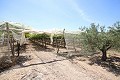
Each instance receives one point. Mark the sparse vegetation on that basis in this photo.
(38, 50)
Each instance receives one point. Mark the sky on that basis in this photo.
(60, 14)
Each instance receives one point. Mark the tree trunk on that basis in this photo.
(104, 55)
(45, 43)
(18, 48)
(12, 46)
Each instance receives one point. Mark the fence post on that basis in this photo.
(60, 41)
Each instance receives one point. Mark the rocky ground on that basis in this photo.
(42, 64)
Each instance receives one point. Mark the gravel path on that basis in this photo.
(46, 65)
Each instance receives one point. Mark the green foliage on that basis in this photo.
(27, 35)
(58, 36)
(33, 36)
(0, 33)
(45, 36)
(39, 36)
(96, 37)
(115, 33)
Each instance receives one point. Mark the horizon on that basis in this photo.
(60, 14)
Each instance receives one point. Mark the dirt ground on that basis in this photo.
(46, 65)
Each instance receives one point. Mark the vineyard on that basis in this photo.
(23, 47)
(45, 39)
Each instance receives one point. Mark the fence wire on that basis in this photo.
(73, 41)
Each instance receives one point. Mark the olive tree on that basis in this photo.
(115, 33)
(97, 38)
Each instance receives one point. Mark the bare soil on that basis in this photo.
(37, 63)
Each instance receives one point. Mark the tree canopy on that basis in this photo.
(97, 38)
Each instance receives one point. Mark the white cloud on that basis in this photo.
(80, 11)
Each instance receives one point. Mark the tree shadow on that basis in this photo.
(23, 48)
(38, 47)
(21, 59)
(52, 61)
(6, 62)
(112, 64)
(70, 54)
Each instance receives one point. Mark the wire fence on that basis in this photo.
(73, 41)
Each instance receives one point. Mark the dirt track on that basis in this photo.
(45, 65)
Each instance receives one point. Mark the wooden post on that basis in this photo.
(45, 43)
(18, 49)
(8, 37)
(56, 42)
(9, 41)
(60, 41)
(12, 46)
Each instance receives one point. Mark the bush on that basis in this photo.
(58, 36)
(39, 36)
(27, 35)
